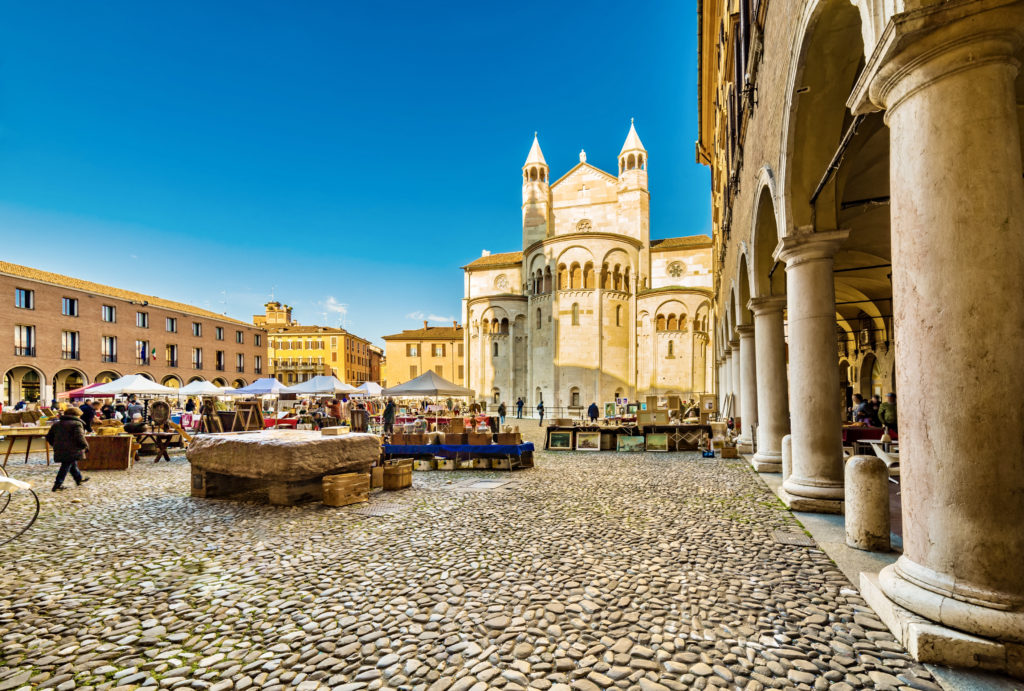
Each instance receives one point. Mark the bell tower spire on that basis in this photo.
(536, 196)
(633, 161)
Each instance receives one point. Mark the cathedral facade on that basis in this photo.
(591, 309)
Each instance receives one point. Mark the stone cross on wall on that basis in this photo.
(583, 190)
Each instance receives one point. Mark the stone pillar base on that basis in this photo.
(767, 462)
(795, 503)
(934, 643)
(745, 445)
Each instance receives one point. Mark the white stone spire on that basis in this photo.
(633, 142)
(535, 155)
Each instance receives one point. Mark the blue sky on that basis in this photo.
(346, 157)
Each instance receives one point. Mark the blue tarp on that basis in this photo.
(450, 450)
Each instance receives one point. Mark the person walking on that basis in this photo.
(519, 408)
(190, 405)
(389, 417)
(501, 413)
(540, 413)
(88, 415)
(67, 438)
(134, 407)
(593, 413)
(887, 413)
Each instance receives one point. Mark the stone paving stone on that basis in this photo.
(594, 571)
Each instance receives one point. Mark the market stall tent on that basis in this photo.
(322, 384)
(268, 386)
(201, 388)
(85, 392)
(369, 388)
(428, 384)
(133, 384)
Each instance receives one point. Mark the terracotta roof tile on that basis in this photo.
(498, 259)
(430, 332)
(26, 272)
(686, 241)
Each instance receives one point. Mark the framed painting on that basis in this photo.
(588, 441)
(657, 441)
(630, 443)
(632, 408)
(560, 440)
(610, 410)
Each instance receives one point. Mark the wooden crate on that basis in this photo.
(464, 464)
(424, 464)
(730, 452)
(500, 463)
(108, 453)
(346, 489)
(398, 438)
(446, 464)
(509, 438)
(457, 425)
(397, 476)
(481, 463)
(455, 438)
(478, 439)
(377, 476)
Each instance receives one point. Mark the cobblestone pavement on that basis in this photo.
(592, 571)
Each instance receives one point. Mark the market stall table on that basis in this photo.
(160, 439)
(28, 434)
(270, 422)
(524, 451)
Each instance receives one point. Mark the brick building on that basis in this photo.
(68, 333)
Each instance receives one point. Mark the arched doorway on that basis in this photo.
(147, 376)
(195, 379)
(106, 376)
(238, 384)
(67, 380)
(870, 376)
(22, 384)
(172, 381)
(221, 382)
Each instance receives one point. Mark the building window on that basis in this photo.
(671, 349)
(172, 355)
(618, 315)
(219, 333)
(412, 371)
(109, 313)
(240, 362)
(257, 364)
(574, 398)
(412, 349)
(539, 317)
(69, 307)
(24, 298)
(439, 370)
(108, 348)
(575, 314)
(439, 350)
(25, 340)
(495, 349)
(69, 345)
(460, 349)
(257, 339)
(462, 372)
(197, 329)
(219, 360)
(172, 324)
(142, 320)
(239, 337)
(197, 358)
(141, 352)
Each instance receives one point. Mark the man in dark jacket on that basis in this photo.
(389, 417)
(593, 412)
(67, 437)
(519, 407)
(88, 413)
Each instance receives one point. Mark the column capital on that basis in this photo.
(734, 344)
(745, 331)
(767, 305)
(920, 47)
(805, 245)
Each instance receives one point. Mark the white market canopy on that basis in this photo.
(201, 388)
(322, 384)
(428, 384)
(133, 384)
(268, 386)
(369, 388)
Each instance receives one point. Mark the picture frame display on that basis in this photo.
(610, 410)
(657, 441)
(560, 440)
(632, 408)
(588, 441)
(630, 444)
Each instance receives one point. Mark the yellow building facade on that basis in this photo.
(414, 351)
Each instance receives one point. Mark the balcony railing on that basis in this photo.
(172, 363)
(142, 361)
(25, 351)
(109, 358)
(257, 370)
(220, 367)
(197, 364)
(240, 368)
(69, 355)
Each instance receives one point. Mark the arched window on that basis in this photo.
(588, 276)
(625, 280)
(533, 173)
(617, 278)
(575, 314)
(671, 349)
(547, 279)
(640, 161)
(504, 325)
(631, 162)
(563, 277)
(574, 397)
(618, 315)
(606, 277)
(661, 322)
(495, 349)
(673, 325)
(538, 317)
(496, 397)
(575, 277)
(542, 175)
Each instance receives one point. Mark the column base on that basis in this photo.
(745, 446)
(767, 462)
(934, 643)
(809, 504)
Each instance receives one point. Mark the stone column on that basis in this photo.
(817, 480)
(734, 375)
(726, 377)
(948, 84)
(748, 388)
(772, 387)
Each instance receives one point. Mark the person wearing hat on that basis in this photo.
(136, 426)
(67, 438)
